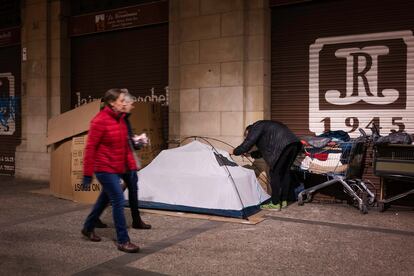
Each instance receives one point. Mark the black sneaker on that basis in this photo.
(90, 235)
(140, 225)
(100, 224)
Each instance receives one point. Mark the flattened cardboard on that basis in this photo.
(84, 196)
(254, 219)
(71, 123)
(60, 174)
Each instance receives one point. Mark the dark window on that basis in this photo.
(9, 13)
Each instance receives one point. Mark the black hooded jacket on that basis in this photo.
(270, 138)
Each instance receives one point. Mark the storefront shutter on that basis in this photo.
(343, 64)
(136, 59)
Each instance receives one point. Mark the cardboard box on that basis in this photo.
(60, 131)
(60, 175)
(79, 194)
(67, 136)
(71, 123)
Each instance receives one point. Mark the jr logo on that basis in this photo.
(358, 80)
(362, 78)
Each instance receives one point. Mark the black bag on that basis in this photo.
(395, 138)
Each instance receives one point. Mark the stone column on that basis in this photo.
(257, 62)
(218, 62)
(59, 58)
(174, 71)
(45, 77)
(32, 158)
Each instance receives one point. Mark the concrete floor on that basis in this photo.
(40, 235)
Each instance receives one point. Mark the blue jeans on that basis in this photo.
(112, 191)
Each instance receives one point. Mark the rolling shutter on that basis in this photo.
(136, 59)
(343, 65)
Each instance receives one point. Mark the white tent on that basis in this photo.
(190, 178)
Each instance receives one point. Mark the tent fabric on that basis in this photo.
(190, 179)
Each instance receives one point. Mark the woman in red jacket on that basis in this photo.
(131, 180)
(109, 156)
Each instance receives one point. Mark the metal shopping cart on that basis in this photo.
(344, 164)
(395, 161)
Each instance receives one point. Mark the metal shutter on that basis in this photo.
(136, 59)
(360, 51)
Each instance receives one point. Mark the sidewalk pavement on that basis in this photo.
(40, 235)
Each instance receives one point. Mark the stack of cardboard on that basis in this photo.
(67, 136)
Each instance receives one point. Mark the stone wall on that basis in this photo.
(219, 67)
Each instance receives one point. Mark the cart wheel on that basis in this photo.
(300, 199)
(363, 209)
(381, 206)
(371, 201)
(309, 197)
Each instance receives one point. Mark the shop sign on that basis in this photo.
(129, 17)
(359, 80)
(152, 97)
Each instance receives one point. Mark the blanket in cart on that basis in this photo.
(332, 158)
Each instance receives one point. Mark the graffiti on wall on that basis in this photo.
(8, 103)
(359, 80)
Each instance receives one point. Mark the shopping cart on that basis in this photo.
(394, 161)
(344, 164)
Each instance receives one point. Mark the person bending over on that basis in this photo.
(278, 146)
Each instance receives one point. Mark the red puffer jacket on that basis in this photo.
(107, 148)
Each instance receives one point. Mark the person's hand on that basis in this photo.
(141, 139)
(86, 183)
